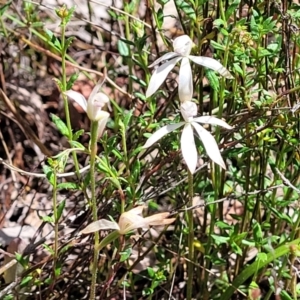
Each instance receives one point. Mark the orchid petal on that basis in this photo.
(183, 45)
(188, 147)
(159, 75)
(130, 221)
(95, 105)
(210, 145)
(211, 63)
(136, 210)
(95, 90)
(102, 120)
(100, 225)
(78, 98)
(159, 219)
(213, 121)
(161, 132)
(166, 56)
(188, 110)
(185, 86)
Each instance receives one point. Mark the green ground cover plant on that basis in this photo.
(150, 161)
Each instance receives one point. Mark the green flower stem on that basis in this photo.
(190, 223)
(221, 10)
(128, 37)
(3, 27)
(55, 219)
(93, 203)
(124, 145)
(64, 89)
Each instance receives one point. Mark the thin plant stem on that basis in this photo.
(94, 135)
(3, 27)
(190, 222)
(55, 219)
(64, 89)
(128, 37)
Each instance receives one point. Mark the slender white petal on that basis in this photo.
(159, 219)
(183, 45)
(166, 56)
(100, 225)
(95, 90)
(102, 122)
(211, 63)
(188, 147)
(136, 210)
(161, 132)
(210, 144)
(213, 121)
(78, 98)
(185, 86)
(188, 110)
(159, 75)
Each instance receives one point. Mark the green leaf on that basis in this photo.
(162, 2)
(53, 39)
(125, 254)
(59, 84)
(257, 232)
(77, 145)
(127, 118)
(217, 45)
(213, 79)
(48, 219)
(285, 296)
(50, 250)
(60, 209)
(64, 249)
(61, 126)
(69, 42)
(257, 265)
(186, 8)
(138, 80)
(220, 239)
(236, 249)
(108, 239)
(140, 96)
(25, 281)
(238, 69)
(72, 79)
(37, 24)
(23, 261)
(78, 134)
(4, 8)
(151, 272)
(123, 48)
(57, 270)
(117, 153)
(136, 170)
(230, 11)
(49, 174)
(68, 186)
(70, 14)
(160, 17)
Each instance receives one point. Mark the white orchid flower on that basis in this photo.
(93, 107)
(182, 46)
(129, 221)
(188, 147)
